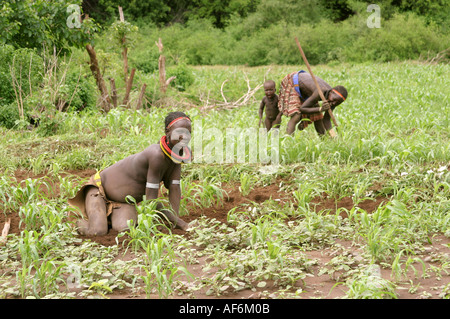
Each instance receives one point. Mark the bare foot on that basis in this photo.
(181, 224)
(83, 229)
(82, 226)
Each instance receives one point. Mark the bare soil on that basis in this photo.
(313, 287)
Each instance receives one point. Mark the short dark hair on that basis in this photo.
(270, 82)
(172, 116)
(341, 90)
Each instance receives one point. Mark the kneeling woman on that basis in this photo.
(103, 199)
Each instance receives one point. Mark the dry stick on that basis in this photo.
(129, 84)
(221, 91)
(125, 49)
(330, 112)
(113, 91)
(29, 75)
(141, 96)
(170, 80)
(5, 232)
(14, 80)
(163, 83)
(239, 102)
(162, 72)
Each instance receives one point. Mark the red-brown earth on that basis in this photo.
(314, 286)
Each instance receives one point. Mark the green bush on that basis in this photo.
(25, 64)
(80, 91)
(201, 44)
(9, 114)
(255, 41)
(25, 67)
(44, 24)
(183, 74)
(145, 60)
(403, 37)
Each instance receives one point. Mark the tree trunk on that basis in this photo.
(125, 61)
(113, 91)
(141, 97)
(128, 89)
(162, 74)
(106, 101)
(163, 83)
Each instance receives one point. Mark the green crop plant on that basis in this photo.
(46, 278)
(31, 247)
(247, 182)
(263, 230)
(101, 287)
(303, 195)
(23, 279)
(142, 231)
(368, 284)
(44, 214)
(160, 267)
(32, 190)
(210, 193)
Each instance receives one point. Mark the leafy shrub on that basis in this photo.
(257, 41)
(145, 60)
(184, 76)
(48, 124)
(201, 44)
(25, 64)
(79, 91)
(9, 114)
(403, 37)
(42, 23)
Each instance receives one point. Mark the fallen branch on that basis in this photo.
(5, 232)
(243, 100)
(439, 57)
(221, 91)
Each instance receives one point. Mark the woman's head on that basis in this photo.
(178, 128)
(337, 95)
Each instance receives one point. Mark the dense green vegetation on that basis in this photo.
(46, 48)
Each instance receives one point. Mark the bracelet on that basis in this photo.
(152, 185)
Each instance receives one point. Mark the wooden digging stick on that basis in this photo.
(315, 81)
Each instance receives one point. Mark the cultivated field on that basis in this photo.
(363, 216)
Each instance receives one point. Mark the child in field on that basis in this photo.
(270, 102)
(103, 199)
(299, 100)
